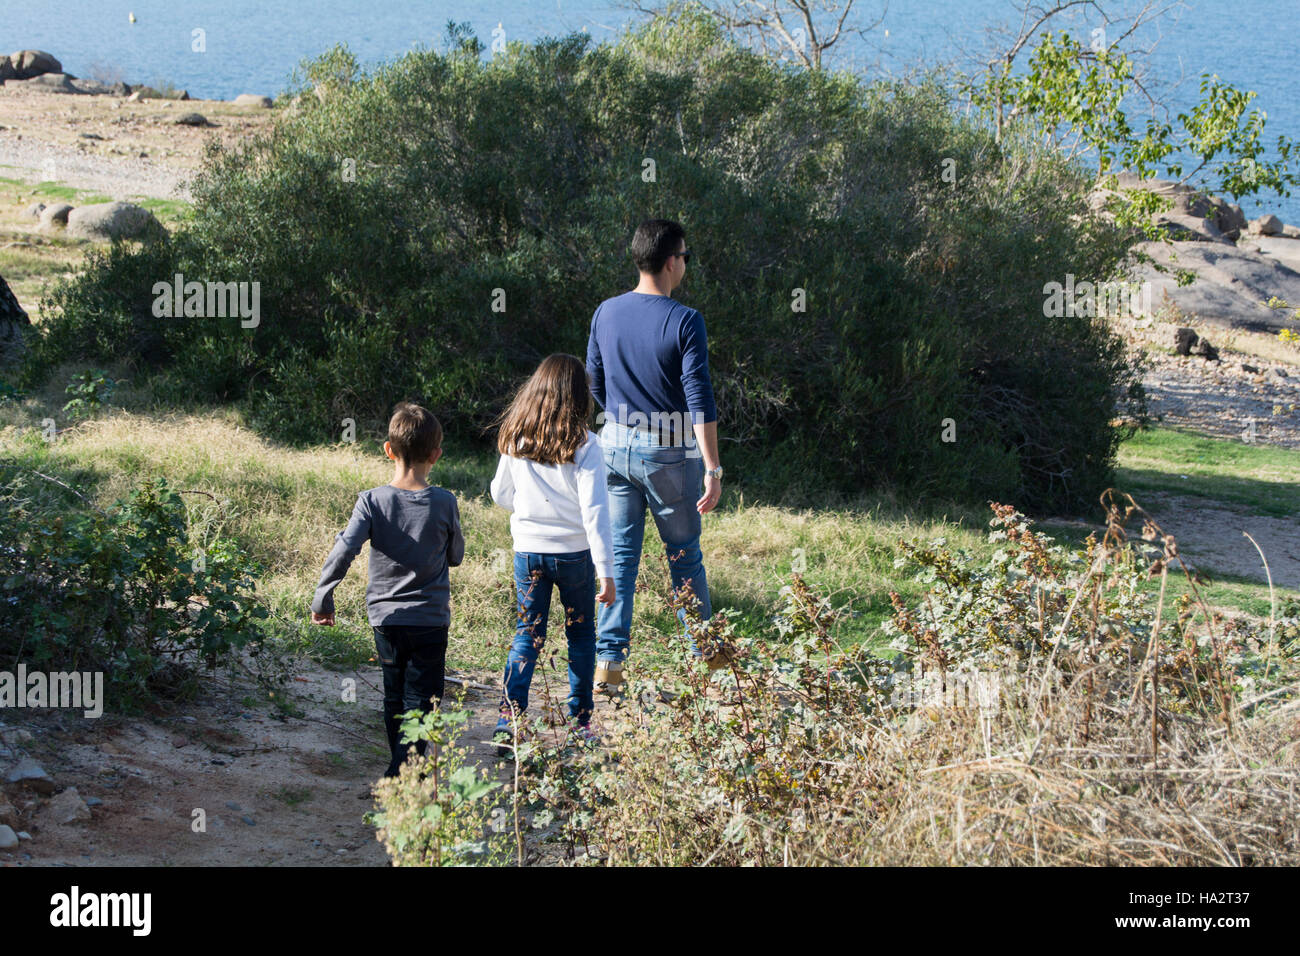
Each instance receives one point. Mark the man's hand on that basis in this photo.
(606, 595)
(712, 492)
(324, 620)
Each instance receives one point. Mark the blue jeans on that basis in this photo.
(640, 473)
(575, 575)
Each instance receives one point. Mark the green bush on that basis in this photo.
(123, 591)
(382, 213)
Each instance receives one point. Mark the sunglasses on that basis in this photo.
(686, 256)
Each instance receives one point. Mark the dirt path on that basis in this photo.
(276, 790)
(1212, 538)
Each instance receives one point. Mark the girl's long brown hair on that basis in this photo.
(547, 418)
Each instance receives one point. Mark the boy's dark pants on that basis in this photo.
(412, 658)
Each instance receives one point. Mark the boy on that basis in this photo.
(414, 533)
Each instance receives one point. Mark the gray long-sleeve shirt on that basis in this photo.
(414, 538)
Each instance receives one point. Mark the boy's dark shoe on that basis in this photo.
(504, 738)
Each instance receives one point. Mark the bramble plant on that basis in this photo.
(437, 811)
(1060, 678)
(119, 590)
(89, 391)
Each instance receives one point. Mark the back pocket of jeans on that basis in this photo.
(668, 482)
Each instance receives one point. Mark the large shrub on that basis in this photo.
(389, 210)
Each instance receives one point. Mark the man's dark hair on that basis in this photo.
(414, 432)
(654, 242)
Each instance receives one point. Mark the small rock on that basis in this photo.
(1249, 369)
(30, 773)
(24, 835)
(1184, 339)
(252, 99)
(1280, 372)
(90, 136)
(7, 838)
(68, 807)
(234, 806)
(109, 747)
(179, 742)
(136, 97)
(1266, 225)
(193, 119)
(55, 214)
(1204, 349)
(249, 821)
(94, 802)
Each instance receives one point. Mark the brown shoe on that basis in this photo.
(610, 677)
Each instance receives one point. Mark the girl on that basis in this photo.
(552, 479)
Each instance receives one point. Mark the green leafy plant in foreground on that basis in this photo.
(436, 812)
(123, 591)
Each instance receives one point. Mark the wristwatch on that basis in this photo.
(714, 473)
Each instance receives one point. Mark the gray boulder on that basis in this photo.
(1232, 283)
(1278, 248)
(29, 63)
(8, 839)
(1228, 217)
(32, 775)
(111, 220)
(1266, 225)
(1191, 228)
(1184, 339)
(1186, 200)
(55, 214)
(50, 83)
(252, 99)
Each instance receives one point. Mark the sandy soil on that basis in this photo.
(276, 790)
(110, 145)
(1213, 538)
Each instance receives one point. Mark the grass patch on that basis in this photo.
(1262, 478)
(286, 504)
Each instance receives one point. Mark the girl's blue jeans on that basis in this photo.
(536, 576)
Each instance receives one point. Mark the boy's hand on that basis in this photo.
(606, 595)
(324, 620)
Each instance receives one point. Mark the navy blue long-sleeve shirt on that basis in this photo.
(649, 354)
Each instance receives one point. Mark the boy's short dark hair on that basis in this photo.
(655, 240)
(414, 433)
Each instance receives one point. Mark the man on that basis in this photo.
(648, 360)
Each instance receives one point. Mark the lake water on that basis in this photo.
(252, 46)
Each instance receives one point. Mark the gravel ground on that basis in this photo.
(109, 145)
(119, 177)
(1222, 398)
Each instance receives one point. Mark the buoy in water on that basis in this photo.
(131, 17)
